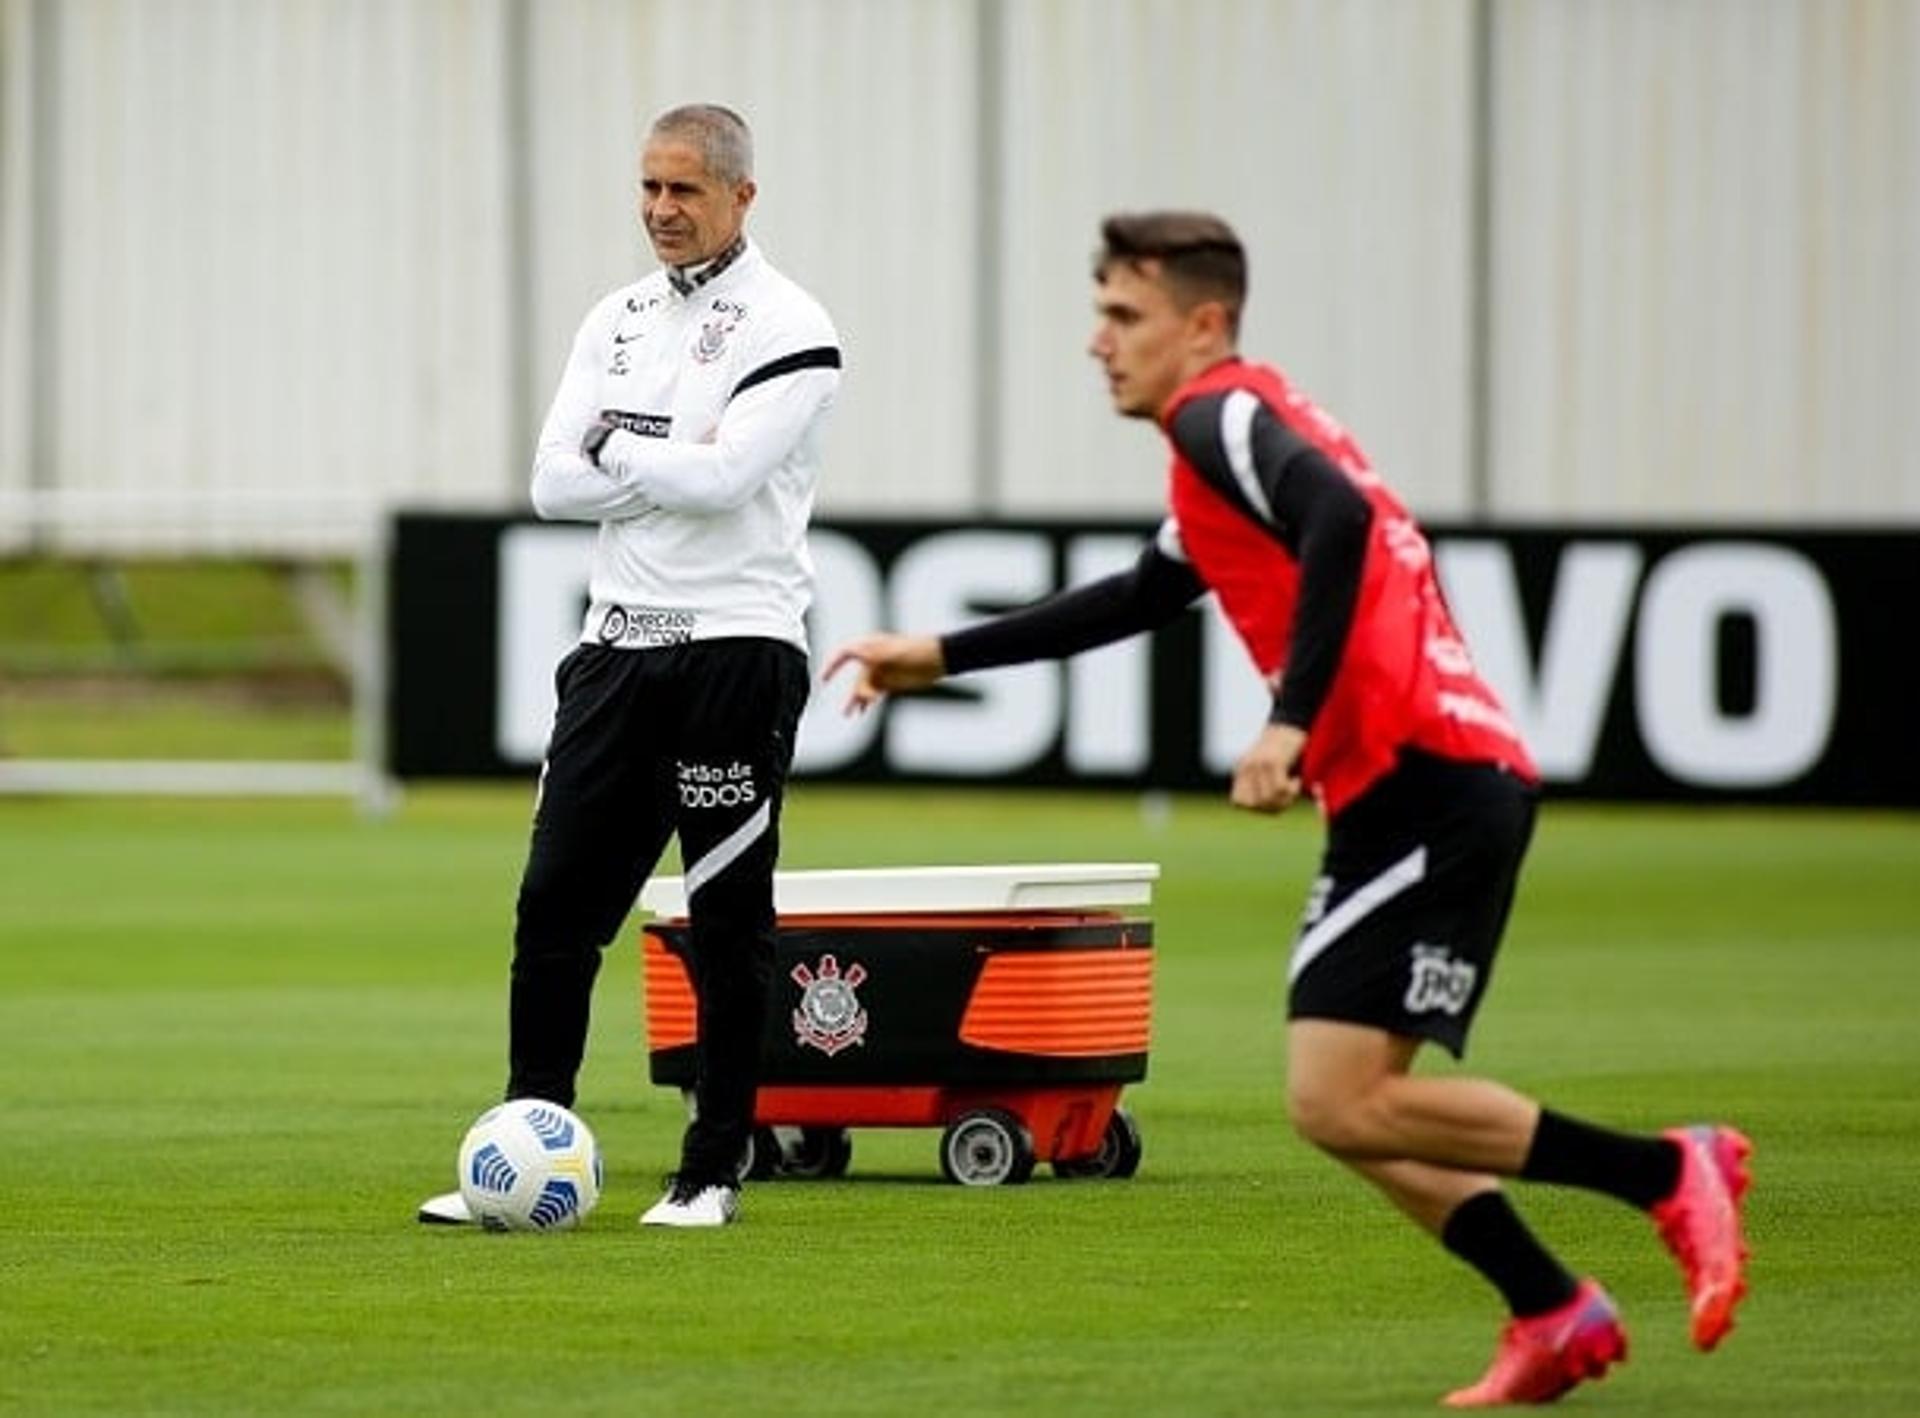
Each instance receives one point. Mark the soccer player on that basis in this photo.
(686, 425)
(1427, 790)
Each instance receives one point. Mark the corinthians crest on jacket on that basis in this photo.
(713, 333)
(830, 1017)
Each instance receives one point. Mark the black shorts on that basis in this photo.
(1402, 927)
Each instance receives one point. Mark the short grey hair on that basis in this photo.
(722, 136)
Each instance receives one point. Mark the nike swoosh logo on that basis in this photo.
(620, 339)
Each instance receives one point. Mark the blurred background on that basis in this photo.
(272, 269)
(1622, 295)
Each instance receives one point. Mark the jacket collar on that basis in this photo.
(685, 280)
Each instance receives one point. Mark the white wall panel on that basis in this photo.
(1707, 263)
(863, 116)
(16, 268)
(1334, 137)
(306, 261)
(280, 275)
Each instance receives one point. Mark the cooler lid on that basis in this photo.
(1033, 886)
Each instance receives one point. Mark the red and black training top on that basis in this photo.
(1318, 567)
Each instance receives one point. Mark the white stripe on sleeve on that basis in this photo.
(1236, 436)
(1169, 542)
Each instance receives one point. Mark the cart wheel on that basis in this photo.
(762, 1159)
(988, 1148)
(821, 1152)
(1119, 1154)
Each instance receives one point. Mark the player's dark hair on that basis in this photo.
(1196, 254)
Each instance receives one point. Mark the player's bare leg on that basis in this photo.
(1426, 1195)
(1435, 1146)
(1349, 1093)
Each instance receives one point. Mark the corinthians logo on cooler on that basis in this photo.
(830, 1017)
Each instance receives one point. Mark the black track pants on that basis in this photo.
(690, 739)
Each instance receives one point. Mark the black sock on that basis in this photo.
(1488, 1234)
(1639, 1170)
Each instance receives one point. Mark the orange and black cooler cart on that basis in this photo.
(1006, 1005)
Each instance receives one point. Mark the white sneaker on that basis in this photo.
(691, 1204)
(447, 1209)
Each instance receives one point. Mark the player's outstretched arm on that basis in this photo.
(889, 664)
(1148, 595)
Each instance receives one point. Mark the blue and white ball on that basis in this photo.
(529, 1165)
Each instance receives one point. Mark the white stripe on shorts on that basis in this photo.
(727, 851)
(1406, 872)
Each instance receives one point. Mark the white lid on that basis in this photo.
(1034, 886)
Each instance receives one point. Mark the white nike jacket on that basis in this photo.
(718, 386)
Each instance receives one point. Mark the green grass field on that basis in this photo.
(242, 1040)
(174, 658)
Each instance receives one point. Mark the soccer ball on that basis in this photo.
(529, 1165)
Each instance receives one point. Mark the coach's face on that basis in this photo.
(690, 215)
(1144, 341)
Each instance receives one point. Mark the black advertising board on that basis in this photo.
(1706, 665)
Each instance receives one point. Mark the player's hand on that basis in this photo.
(888, 664)
(1267, 777)
(595, 438)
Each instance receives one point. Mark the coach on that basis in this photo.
(687, 425)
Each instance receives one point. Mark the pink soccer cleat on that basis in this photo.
(1700, 1223)
(1542, 1356)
